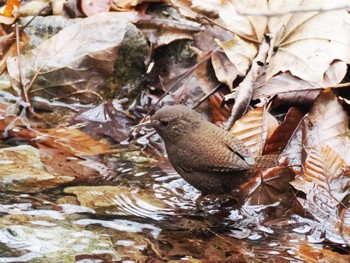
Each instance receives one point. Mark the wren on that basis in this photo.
(206, 156)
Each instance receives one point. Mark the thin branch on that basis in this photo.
(287, 11)
(207, 96)
(23, 87)
(212, 22)
(200, 17)
(341, 85)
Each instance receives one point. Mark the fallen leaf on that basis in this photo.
(162, 31)
(243, 96)
(225, 71)
(91, 8)
(220, 111)
(71, 140)
(76, 60)
(282, 84)
(325, 178)
(254, 128)
(127, 5)
(205, 74)
(242, 48)
(306, 46)
(269, 186)
(119, 200)
(282, 134)
(83, 170)
(8, 46)
(292, 153)
(209, 7)
(104, 120)
(327, 123)
(314, 254)
(303, 54)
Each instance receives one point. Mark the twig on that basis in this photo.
(207, 96)
(232, 31)
(186, 87)
(23, 87)
(287, 11)
(341, 85)
(212, 22)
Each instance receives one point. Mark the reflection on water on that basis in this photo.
(144, 214)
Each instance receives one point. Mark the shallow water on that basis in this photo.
(146, 214)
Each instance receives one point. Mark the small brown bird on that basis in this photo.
(206, 156)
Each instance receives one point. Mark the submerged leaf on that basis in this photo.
(119, 200)
(71, 140)
(269, 186)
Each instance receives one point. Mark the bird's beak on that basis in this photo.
(147, 123)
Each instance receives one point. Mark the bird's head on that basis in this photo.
(174, 121)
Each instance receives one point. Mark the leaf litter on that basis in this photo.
(113, 197)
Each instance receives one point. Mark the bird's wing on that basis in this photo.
(216, 154)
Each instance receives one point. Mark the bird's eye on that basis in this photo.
(164, 123)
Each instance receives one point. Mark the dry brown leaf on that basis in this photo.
(249, 30)
(328, 123)
(91, 8)
(252, 129)
(324, 171)
(302, 47)
(162, 31)
(325, 179)
(77, 59)
(205, 74)
(306, 45)
(293, 90)
(219, 110)
(68, 140)
(313, 254)
(335, 73)
(224, 70)
(292, 154)
(8, 46)
(207, 7)
(281, 84)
